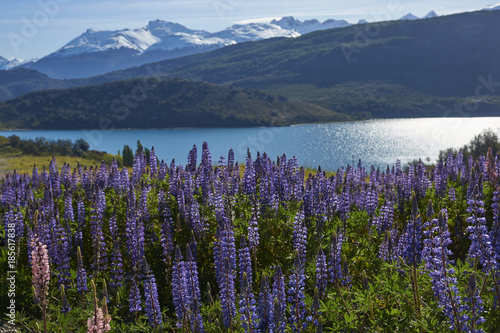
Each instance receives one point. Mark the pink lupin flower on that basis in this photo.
(100, 321)
(41, 275)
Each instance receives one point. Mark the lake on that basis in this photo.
(375, 142)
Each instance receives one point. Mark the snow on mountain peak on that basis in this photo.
(409, 16)
(492, 7)
(290, 23)
(431, 14)
(10, 63)
(96, 41)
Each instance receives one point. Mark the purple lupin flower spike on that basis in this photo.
(151, 303)
(410, 243)
(244, 262)
(249, 319)
(300, 235)
(475, 304)
(480, 247)
(180, 289)
(265, 306)
(279, 299)
(227, 294)
(153, 163)
(296, 296)
(192, 160)
(249, 176)
(321, 273)
(193, 290)
(81, 274)
(116, 266)
(134, 297)
(444, 284)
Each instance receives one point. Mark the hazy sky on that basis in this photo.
(34, 28)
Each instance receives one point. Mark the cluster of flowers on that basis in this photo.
(106, 217)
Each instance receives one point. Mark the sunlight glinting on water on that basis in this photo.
(333, 145)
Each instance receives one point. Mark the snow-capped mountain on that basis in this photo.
(430, 14)
(290, 23)
(97, 52)
(10, 63)
(409, 16)
(492, 7)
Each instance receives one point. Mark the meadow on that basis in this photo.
(214, 246)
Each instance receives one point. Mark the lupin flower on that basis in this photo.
(249, 319)
(244, 261)
(249, 176)
(480, 248)
(296, 296)
(41, 271)
(41, 276)
(321, 272)
(410, 243)
(265, 306)
(153, 163)
(116, 270)
(151, 303)
(300, 235)
(81, 274)
(193, 290)
(475, 304)
(253, 233)
(65, 306)
(180, 289)
(444, 284)
(337, 269)
(100, 321)
(279, 299)
(134, 296)
(227, 294)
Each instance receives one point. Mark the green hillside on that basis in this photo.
(157, 104)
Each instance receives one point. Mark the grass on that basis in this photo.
(24, 163)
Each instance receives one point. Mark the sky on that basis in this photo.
(35, 28)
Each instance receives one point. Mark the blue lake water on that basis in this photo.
(375, 142)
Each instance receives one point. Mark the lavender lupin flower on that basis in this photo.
(153, 163)
(116, 270)
(296, 296)
(244, 262)
(279, 297)
(265, 306)
(300, 235)
(134, 297)
(249, 319)
(444, 284)
(81, 274)
(180, 289)
(480, 247)
(151, 303)
(321, 273)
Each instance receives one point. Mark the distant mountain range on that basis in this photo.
(492, 7)
(10, 63)
(98, 52)
(408, 68)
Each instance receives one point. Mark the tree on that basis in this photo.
(128, 156)
(139, 147)
(14, 141)
(79, 147)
